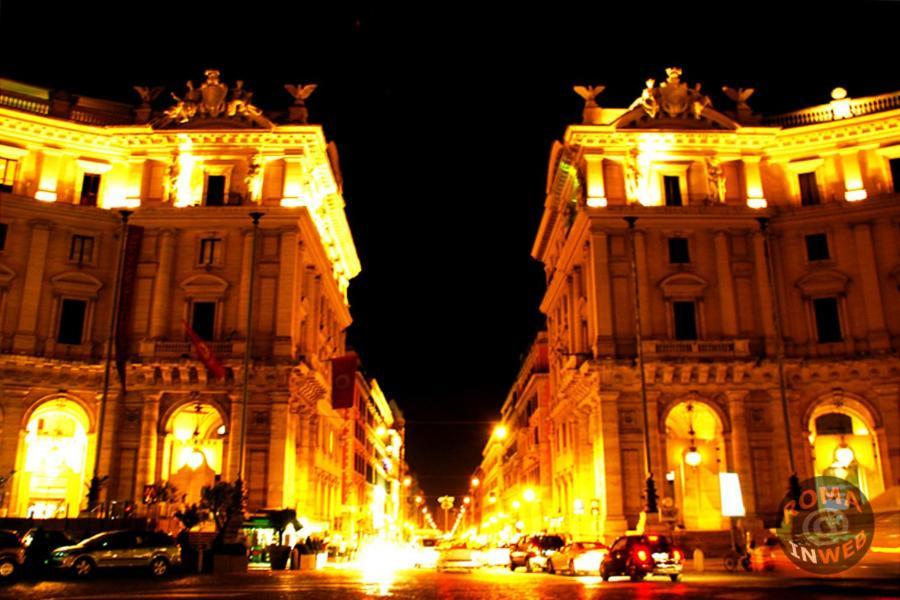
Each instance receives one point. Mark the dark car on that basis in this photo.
(12, 555)
(529, 547)
(154, 550)
(40, 543)
(640, 555)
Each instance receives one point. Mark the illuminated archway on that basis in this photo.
(844, 444)
(695, 452)
(55, 466)
(194, 448)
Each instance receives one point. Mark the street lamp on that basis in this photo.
(500, 432)
(650, 489)
(475, 482)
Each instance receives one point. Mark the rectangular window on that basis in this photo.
(81, 250)
(210, 250)
(809, 190)
(203, 320)
(685, 320)
(817, 247)
(3, 228)
(895, 173)
(7, 174)
(90, 187)
(672, 186)
(71, 321)
(215, 190)
(828, 324)
(678, 251)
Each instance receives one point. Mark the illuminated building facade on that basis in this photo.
(514, 492)
(710, 304)
(373, 487)
(191, 175)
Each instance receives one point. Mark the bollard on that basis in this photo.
(698, 560)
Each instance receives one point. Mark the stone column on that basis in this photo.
(889, 433)
(868, 269)
(764, 292)
(25, 338)
(726, 285)
(286, 300)
(612, 509)
(162, 286)
(753, 190)
(304, 458)
(599, 297)
(11, 432)
(147, 458)
(278, 450)
(230, 469)
(313, 287)
(577, 294)
(740, 446)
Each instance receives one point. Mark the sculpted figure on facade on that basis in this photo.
(672, 98)
(213, 93)
(632, 176)
(213, 100)
(715, 180)
(592, 113)
(298, 112)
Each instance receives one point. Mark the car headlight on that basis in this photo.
(60, 554)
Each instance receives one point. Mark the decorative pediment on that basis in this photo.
(204, 285)
(823, 283)
(683, 285)
(6, 276)
(673, 105)
(76, 283)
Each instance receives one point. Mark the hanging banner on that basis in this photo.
(205, 353)
(133, 238)
(343, 380)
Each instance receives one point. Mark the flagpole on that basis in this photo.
(256, 216)
(94, 490)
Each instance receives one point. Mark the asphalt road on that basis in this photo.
(490, 584)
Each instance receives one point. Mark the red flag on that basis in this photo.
(205, 353)
(343, 380)
(133, 236)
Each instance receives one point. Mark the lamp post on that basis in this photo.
(793, 480)
(245, 393)
(446, 503)
(96, 481)
(650, 488)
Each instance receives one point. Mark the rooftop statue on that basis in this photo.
(592, 112)
(299, 93)
(212, 101)
(147, 94)
(673, 98)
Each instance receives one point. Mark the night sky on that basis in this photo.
(444, 121)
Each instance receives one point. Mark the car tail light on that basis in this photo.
(653, 538)
(677, 555)
(642, 554)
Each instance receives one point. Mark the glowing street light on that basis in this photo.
(407, 481)
(475, 482)
(466, 500)
(500, 432)
(692, 457)
(529, 495)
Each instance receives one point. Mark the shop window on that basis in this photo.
(685, 314)
(215, 190)
(7, 173)
(809, 189)
(90, 188)
(203, 319)
(834, 424)
(828, 323)
(672, 189)
(81, 249)
(678, 251)
(71, 321)
(817, 247)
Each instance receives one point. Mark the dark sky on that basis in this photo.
(444, 120)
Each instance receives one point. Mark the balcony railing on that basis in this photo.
(165, 348)
(696, 348)
(836, 110)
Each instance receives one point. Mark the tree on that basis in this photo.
(280, 519)
(225, 502)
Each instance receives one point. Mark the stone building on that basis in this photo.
(191, 175)
(712, 307)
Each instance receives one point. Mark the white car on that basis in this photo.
(577, 557)
(425, 553)
(458, 558)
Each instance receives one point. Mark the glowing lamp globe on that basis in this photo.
(195, 459)
(844, 456)
(692, 457)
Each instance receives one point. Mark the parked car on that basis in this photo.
(458, 557)
(115, 549)
(12, 555)
(494, 556)
(640, 555)
(532, 552)
(577, 557)
(39, 545)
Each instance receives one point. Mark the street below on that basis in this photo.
(495, 584)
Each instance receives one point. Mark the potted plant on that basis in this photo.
(279, 553)
(312, 554)
(225, 502)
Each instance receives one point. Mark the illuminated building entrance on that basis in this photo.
(194, 447)
(844, 444)
(695, 450)
(55, 468)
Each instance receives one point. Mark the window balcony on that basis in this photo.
(168, 349)
(697, 348)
